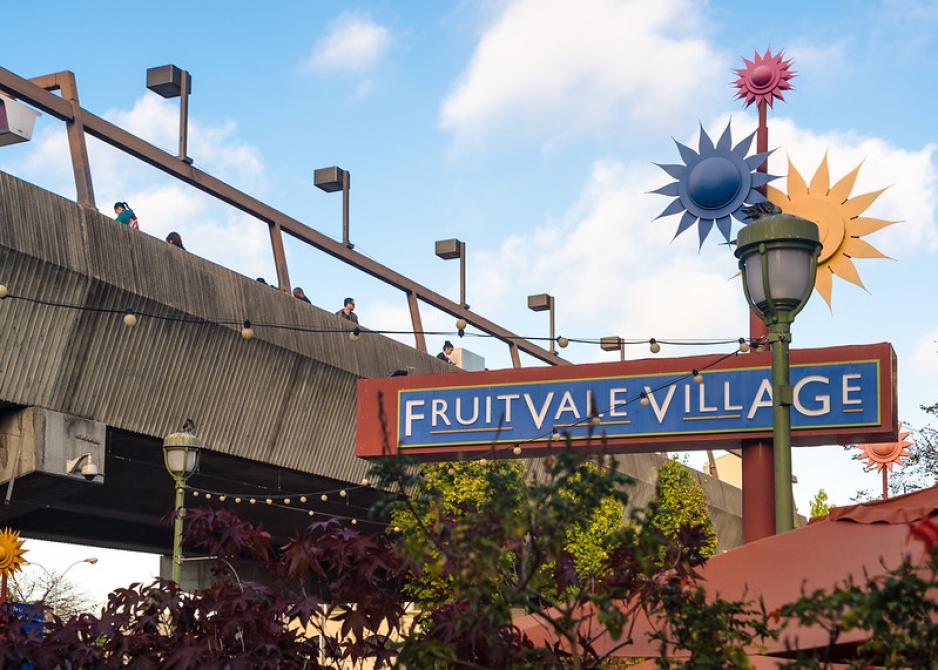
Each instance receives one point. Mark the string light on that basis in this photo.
(354, 522)
(302, 499)
(286, 501)
(596, 420)
(247, 328)
(343, 493)
(324, 497)
(482, 461)
(208, 496)
(252, 501)
(269, 501)
(743, 345)
(310, 512)
(698, 377)
(222, 498)
(516, 451)
(195, 493)
(364, 481)
(643, 399)
(451, 471)
(238, 500)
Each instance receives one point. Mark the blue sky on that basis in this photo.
(527, 128)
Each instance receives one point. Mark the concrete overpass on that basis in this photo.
(275, 414)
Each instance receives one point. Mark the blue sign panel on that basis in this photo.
(828, 395)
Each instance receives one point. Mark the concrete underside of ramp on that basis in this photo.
(276, 414)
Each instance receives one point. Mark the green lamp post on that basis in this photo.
(778, 258)
(181, 458)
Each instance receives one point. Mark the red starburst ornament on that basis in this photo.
(885, 454)
(764, 78)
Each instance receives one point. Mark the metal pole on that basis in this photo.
(758, 470)
(553, 346)
(462, 274)
(779, 337)
(184, 117)
(177, 527)
(346, 185)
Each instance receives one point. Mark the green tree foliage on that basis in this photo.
(448, 491)
(458, 491)
(682, 504)
(819, 504)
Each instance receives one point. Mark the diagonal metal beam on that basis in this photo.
(118, 138)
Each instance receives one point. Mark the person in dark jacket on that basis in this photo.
(348, 310)
(447, 352)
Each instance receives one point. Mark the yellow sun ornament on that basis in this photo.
(837, 216)
(11, 552)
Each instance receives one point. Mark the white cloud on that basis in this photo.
(209, 228)
(615, 271)
(910, 174)
(555, 68)
(353, 43)
(925, 355)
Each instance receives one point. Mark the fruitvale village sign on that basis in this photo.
(838, 395)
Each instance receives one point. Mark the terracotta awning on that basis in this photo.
(849, 541)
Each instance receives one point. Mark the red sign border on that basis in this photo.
(374, 440)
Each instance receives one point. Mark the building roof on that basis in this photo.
(857, 540)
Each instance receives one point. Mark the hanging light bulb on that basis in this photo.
(246, 331)
(130, 320)
(643, 399)
(451, 471)
(365, 481)
(3, 292)
(355, 334)
(238, 500)
(654, 346)
(269, 501)
(195, 493)
(516, 451)
(208, 496)
(562, 342)
(461, 324)
(310, 512)
(397, 529)
(302, 499)
(482, 461)
(354, 522)
(698, 377)
(222, 498)
(596, 420)
(324, 497)
(252, 501)
(743, 345)
(343, 493)
(286, 501)
(555, 435)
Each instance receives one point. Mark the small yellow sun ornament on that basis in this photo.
(837, 216)
(11, 552)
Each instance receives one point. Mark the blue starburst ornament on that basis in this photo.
(714, 183)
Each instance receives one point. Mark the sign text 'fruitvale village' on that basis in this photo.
(839, 394)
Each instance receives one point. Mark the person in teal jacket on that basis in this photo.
(125, 215)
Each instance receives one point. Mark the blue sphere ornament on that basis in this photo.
(714, 183)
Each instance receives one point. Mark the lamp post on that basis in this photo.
(55, 580)
(544, 302)
(170, 81)
(778, 258)
(448, 250)
(330, 180)
(181, 458)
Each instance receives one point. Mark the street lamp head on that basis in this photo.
(778, 258)
(181, 454)
(539, 302)
(166, 81)
(611, 343)
(16, 121)
(448, 249)
(329, 179)
(91, 559)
